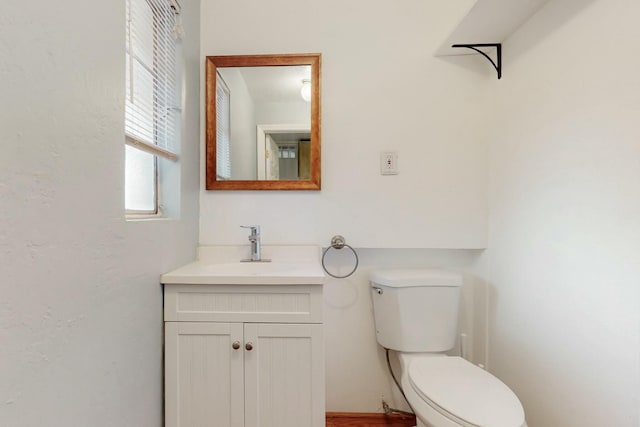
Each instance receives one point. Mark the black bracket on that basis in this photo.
(498, 46)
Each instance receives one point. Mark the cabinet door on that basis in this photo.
(284, 375)
(204, 380)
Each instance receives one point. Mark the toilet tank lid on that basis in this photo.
(404, 277)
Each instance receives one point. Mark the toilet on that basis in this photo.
(416, 315)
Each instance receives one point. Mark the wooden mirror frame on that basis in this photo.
(212, 63)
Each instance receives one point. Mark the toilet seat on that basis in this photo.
(465, 393)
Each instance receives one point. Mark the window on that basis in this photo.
(152, 115)
(223, 129)
(287, 151)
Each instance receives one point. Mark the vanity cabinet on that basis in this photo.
(244, 356)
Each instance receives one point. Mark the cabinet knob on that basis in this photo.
(248, 346)
(235, 345)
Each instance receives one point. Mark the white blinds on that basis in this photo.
(223, 130)
(151, 112)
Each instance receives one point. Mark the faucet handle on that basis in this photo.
(255, 229)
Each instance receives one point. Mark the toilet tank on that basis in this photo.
(416, 310)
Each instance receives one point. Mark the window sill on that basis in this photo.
(146, 217)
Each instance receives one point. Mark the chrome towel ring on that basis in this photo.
(338, 242)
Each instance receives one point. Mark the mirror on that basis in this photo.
(260, 132)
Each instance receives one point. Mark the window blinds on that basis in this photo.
(151, 112)
(223, 129)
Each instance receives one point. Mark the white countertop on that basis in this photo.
(220, 265)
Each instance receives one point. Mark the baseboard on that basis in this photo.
(356, 419)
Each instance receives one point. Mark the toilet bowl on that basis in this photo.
(447, 391)
(416, 314)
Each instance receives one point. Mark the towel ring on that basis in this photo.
(338, 242)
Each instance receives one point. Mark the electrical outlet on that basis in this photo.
(389, 163)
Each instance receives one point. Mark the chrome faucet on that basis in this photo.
(254, 238)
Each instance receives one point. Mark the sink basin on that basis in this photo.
(220, 265)
(246, 273)
(255, 269)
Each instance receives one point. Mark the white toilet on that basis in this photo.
(416, 314)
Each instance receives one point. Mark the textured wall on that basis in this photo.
(80, 312)
(564, 239)
(382, 89)
(80, 305)
(357, 377)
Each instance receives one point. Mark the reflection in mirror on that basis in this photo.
(261, 131)
(254, 96)
(285, 152)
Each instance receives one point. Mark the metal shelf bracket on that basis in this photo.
(497, 64)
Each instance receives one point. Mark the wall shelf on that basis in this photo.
(497, 64)
(486, 25)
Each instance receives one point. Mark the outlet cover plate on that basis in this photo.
(389, 163)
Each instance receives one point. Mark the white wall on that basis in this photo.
(357, 377)
(382, 89)
(243, 130)
(81, 303)
(80, 313)
(563, 164)
(564, 249)
(279, 113)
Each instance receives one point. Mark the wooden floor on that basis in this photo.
(352, 419)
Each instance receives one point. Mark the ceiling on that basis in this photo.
(277, 83)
